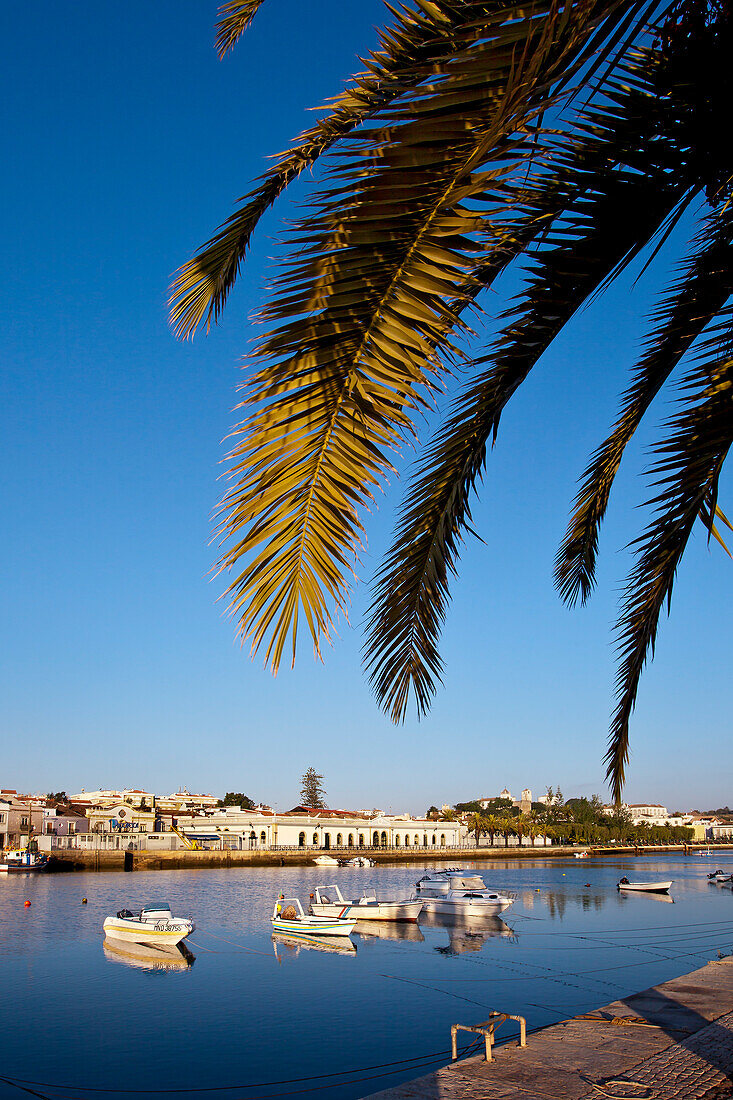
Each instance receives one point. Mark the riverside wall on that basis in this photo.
(77, 860)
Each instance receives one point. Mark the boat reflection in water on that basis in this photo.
(388, 930)
(467, 933)
(293, 945)
(625, 897)
(146, 957)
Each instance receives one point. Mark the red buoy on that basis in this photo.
(27, 904)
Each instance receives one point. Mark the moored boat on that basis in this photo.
(326, 861)
(23, 860)
(288, 916)
(471, 903)
(645, 887)
(328, 901)
(720, 876)
(153, 925)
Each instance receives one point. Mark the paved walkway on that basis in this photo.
(671, 1042)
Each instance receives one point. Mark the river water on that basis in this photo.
(248, 1017)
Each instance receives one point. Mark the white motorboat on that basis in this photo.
(326, 861)
(438, 883)
(720, 876)
(581, 855)
(471, 903)
(154, 925)
(360, 861)
(645, 887)
(23, 860)
(328, 901)
(288, 917)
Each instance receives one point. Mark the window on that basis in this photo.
(301, 840)
(442, 840)
(263, 837)
(327, 840)
(417, 839)
(425, 840)
(433, 838)
(339, 840)
(397, 840)
(315, 838)
(407, 840)
(361, 840)
(351, 840)
(384, 840)
(376, 840)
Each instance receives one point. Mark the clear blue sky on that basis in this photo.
(125, 144)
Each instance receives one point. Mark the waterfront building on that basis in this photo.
(302, 827)
(64, 821)
(21, 817)
(121, 816)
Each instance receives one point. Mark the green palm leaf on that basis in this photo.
(418, 46)
(703, 289)
(686, 473)
(404, 220)
(597, 233)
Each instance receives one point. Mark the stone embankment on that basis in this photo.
(184, 859)
(671, 1042)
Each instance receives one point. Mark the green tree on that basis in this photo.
(312, 793)
(567, 138)
(236, 798)
(477, 825)
(493, 826)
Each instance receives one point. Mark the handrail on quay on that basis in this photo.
(487, 1029)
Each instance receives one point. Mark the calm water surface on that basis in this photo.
(249, 1017)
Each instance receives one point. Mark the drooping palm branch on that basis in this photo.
(563, 133)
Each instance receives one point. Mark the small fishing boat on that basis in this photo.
(288, 917)
(581, 855)
(470, 903)
(328, 901)
(23, 860)
(154, 925)
(358, 861)
(645, 887)
(720, 876)
(326, 861)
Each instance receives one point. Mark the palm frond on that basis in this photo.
(705, 286)
(364, 316)
(234, 18)
(414, 50)
(689, 462)
(410, 48)
(597, 233)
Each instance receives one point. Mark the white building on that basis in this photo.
(231, 827)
